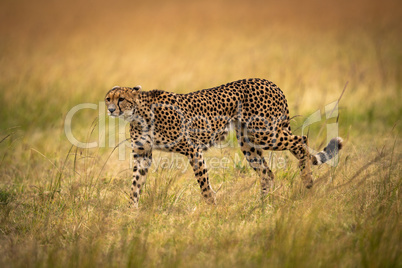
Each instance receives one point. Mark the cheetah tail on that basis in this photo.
(329, 152)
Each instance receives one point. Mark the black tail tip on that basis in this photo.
(335, 144)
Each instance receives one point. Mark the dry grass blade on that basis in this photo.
(3, 139)
(359, 171)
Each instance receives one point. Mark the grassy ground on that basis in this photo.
(65, 206)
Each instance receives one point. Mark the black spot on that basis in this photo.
(138, 143)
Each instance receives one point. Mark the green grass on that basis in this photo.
(63, 206)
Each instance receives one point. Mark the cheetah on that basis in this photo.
(190, 123)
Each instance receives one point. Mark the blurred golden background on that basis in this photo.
(182, 45)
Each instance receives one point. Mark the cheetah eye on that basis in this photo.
(108, 99)
(121, 99)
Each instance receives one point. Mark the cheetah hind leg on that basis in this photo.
(299, 149)
(257, 162)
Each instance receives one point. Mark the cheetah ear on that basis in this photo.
(136, 88)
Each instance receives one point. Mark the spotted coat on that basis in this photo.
(190, 123)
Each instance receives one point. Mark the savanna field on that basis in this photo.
(66, 206)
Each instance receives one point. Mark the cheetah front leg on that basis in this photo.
(201, 173)
(141, 161)
(141, 165)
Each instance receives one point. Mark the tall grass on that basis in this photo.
(66, 206)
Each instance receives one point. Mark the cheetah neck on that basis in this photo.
(143, 108)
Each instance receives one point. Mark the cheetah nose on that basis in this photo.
(112, 110)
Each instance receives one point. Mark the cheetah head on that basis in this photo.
(121, 101)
